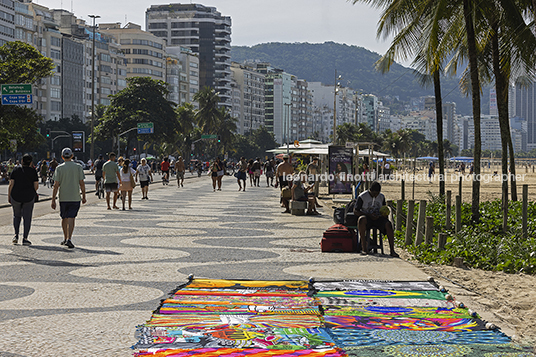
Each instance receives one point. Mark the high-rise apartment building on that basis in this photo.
(144, 52)
(7, 21)
(203, 30)
(523, 105)
(277, 102)
(182, 74)
(250, 85)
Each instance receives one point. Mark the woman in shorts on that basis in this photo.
(126, 188)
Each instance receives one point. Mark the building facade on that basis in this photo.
(250, 84)
(182, 75)
(203, 30)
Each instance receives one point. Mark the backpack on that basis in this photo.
(350, 219)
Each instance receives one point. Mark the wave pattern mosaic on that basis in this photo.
(326, 319)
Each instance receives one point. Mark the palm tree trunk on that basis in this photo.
(512, 165)
(439, 129)
(502, 106)
(475, 92)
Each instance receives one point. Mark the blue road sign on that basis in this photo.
(14, 99)
(145, 130)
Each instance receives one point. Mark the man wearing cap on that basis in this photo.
(179, 171)
(69, 181)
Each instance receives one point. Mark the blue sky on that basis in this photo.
(256, 21)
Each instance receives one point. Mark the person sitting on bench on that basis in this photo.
(302, 193)
(367, 208)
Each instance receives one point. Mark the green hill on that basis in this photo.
(316, 62)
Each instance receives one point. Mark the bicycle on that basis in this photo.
(100, 188)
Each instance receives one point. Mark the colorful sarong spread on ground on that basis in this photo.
(326, 319)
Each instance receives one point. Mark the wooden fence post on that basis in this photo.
(525, 210)
(449, 209)
(409, 222)
(441, 240)
(399, 204)
(458, 213)
(402, 190)
(420, 222)
(429, 230)
(460, 186)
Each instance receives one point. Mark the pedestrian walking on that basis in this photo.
(241, 174)
(213, 172)
(69, 181)
(97, 166)
(256, 168)
(269, 168)
(22, 193)
(221, 172)
(127, 179)
(112, 179)
(180, 170)
(146, 175)
(164, 166)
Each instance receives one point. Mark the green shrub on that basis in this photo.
(482, 245)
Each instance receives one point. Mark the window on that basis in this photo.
(121, 83)
(122, 72)
(55, 93)
(55, 80)
(194, 64)
(55, 106)
(55, 41)
(106, 80)
(106, 91)
(105, 57)
(55, 54)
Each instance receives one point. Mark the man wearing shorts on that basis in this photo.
(145, 173)
(241, 174)
(179, 171)
(112, 179)
(367, 208)
(69, 181)
(164, 167)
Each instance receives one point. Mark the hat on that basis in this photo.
(285, 156)
(66, 153)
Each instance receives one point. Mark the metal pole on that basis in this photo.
(92, 147)
(288, 105)
(335, 110)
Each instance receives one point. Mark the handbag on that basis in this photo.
(132, 182)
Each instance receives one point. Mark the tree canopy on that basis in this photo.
(21, 63)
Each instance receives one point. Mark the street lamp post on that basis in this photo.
(92, 149)
(288, 105)
(335, 91)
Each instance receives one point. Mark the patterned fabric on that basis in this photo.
(395, 311)
(292, 318)
(375, 285)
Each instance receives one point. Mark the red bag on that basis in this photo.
(338, 238)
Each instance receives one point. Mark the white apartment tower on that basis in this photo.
(250, 84)
(203, 30)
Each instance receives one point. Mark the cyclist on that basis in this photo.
(98, 172)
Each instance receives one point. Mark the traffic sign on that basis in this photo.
(145, 128)
(209, 136)
(14, 99)
(16, 89)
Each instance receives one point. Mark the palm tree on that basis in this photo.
(208, 116)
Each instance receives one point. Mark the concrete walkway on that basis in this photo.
(88, 301)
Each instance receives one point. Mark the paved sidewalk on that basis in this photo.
(87, 301)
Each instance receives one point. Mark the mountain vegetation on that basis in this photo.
(317, 62)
